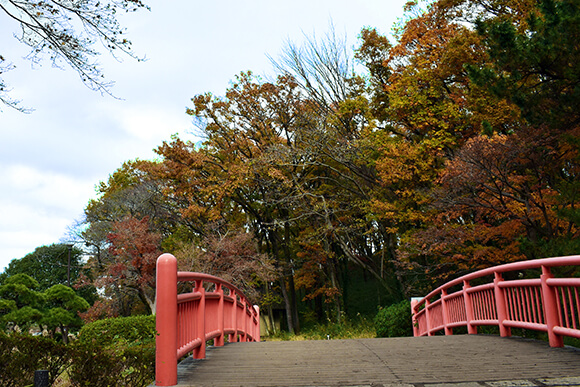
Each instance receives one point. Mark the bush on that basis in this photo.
(132, 330)
(93, 366)
(21, 355)
(114, 352)
(117, 352)
(394, 321)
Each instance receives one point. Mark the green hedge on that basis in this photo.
(112, 352)
(21, 355)
(133, 329)
(394, 321)
(97, 366)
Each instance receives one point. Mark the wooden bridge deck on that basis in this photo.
(461, 361)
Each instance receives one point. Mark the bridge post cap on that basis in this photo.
(166, 257)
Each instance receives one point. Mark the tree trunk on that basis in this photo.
(334, 283)
(64, 333)
(288, 306)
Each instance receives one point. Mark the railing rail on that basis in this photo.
(186, 321)
(546, 304)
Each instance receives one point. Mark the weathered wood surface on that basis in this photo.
(461, 360)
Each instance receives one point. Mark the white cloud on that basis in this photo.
(36, 207)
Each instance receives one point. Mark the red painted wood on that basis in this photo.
(185, 322)
(545, 304)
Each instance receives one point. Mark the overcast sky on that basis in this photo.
(52, 159)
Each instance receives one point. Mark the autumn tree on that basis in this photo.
(128, 192)
(230, 178)
(530, 67)
(67, 33)
(469, 153)
(232, 256)
(135, 248)
(340, 192)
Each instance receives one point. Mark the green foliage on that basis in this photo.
(23, 317)
(21, 288)
(115, 352)
(64, 305)
(21, 305)
(133, 329)
(48, 265)
(550, 248)
(21, 355)
(534, 67)
(19, 302)
(95, 365)
(394, 321)
(139, 364)
(350, 328)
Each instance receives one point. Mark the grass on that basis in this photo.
(357, 328)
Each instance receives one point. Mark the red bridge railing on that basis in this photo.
(186, 321)
(544, 304)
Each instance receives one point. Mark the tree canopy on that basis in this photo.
(456, 150)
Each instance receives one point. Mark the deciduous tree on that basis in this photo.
(135, 248)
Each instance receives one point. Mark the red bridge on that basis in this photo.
(185, 321)
(545, 304)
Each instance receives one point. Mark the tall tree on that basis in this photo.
(465, 95)
(48, 265)
(135, 248)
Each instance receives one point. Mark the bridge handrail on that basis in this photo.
(186, 321)
(545, 304)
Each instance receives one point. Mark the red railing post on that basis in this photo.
(446, 319)
(501, 306)
(257, 324)
(550, 308)
(414, 321)
(233, 337)
(428, 317)
(199, 352)
(471, 329)
(244, 322)
(219, 341)
(166, 321)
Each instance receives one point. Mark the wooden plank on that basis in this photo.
(375, 362)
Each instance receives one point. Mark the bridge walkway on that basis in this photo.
(459, 360)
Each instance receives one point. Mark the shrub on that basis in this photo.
(139, 365)
(114, 352)
(133, 330)
(21, 355)
(93, 366)
(394, 321)
(116, 365)
(117, 351)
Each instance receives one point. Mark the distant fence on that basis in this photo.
(544, 304)
(186, 321)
